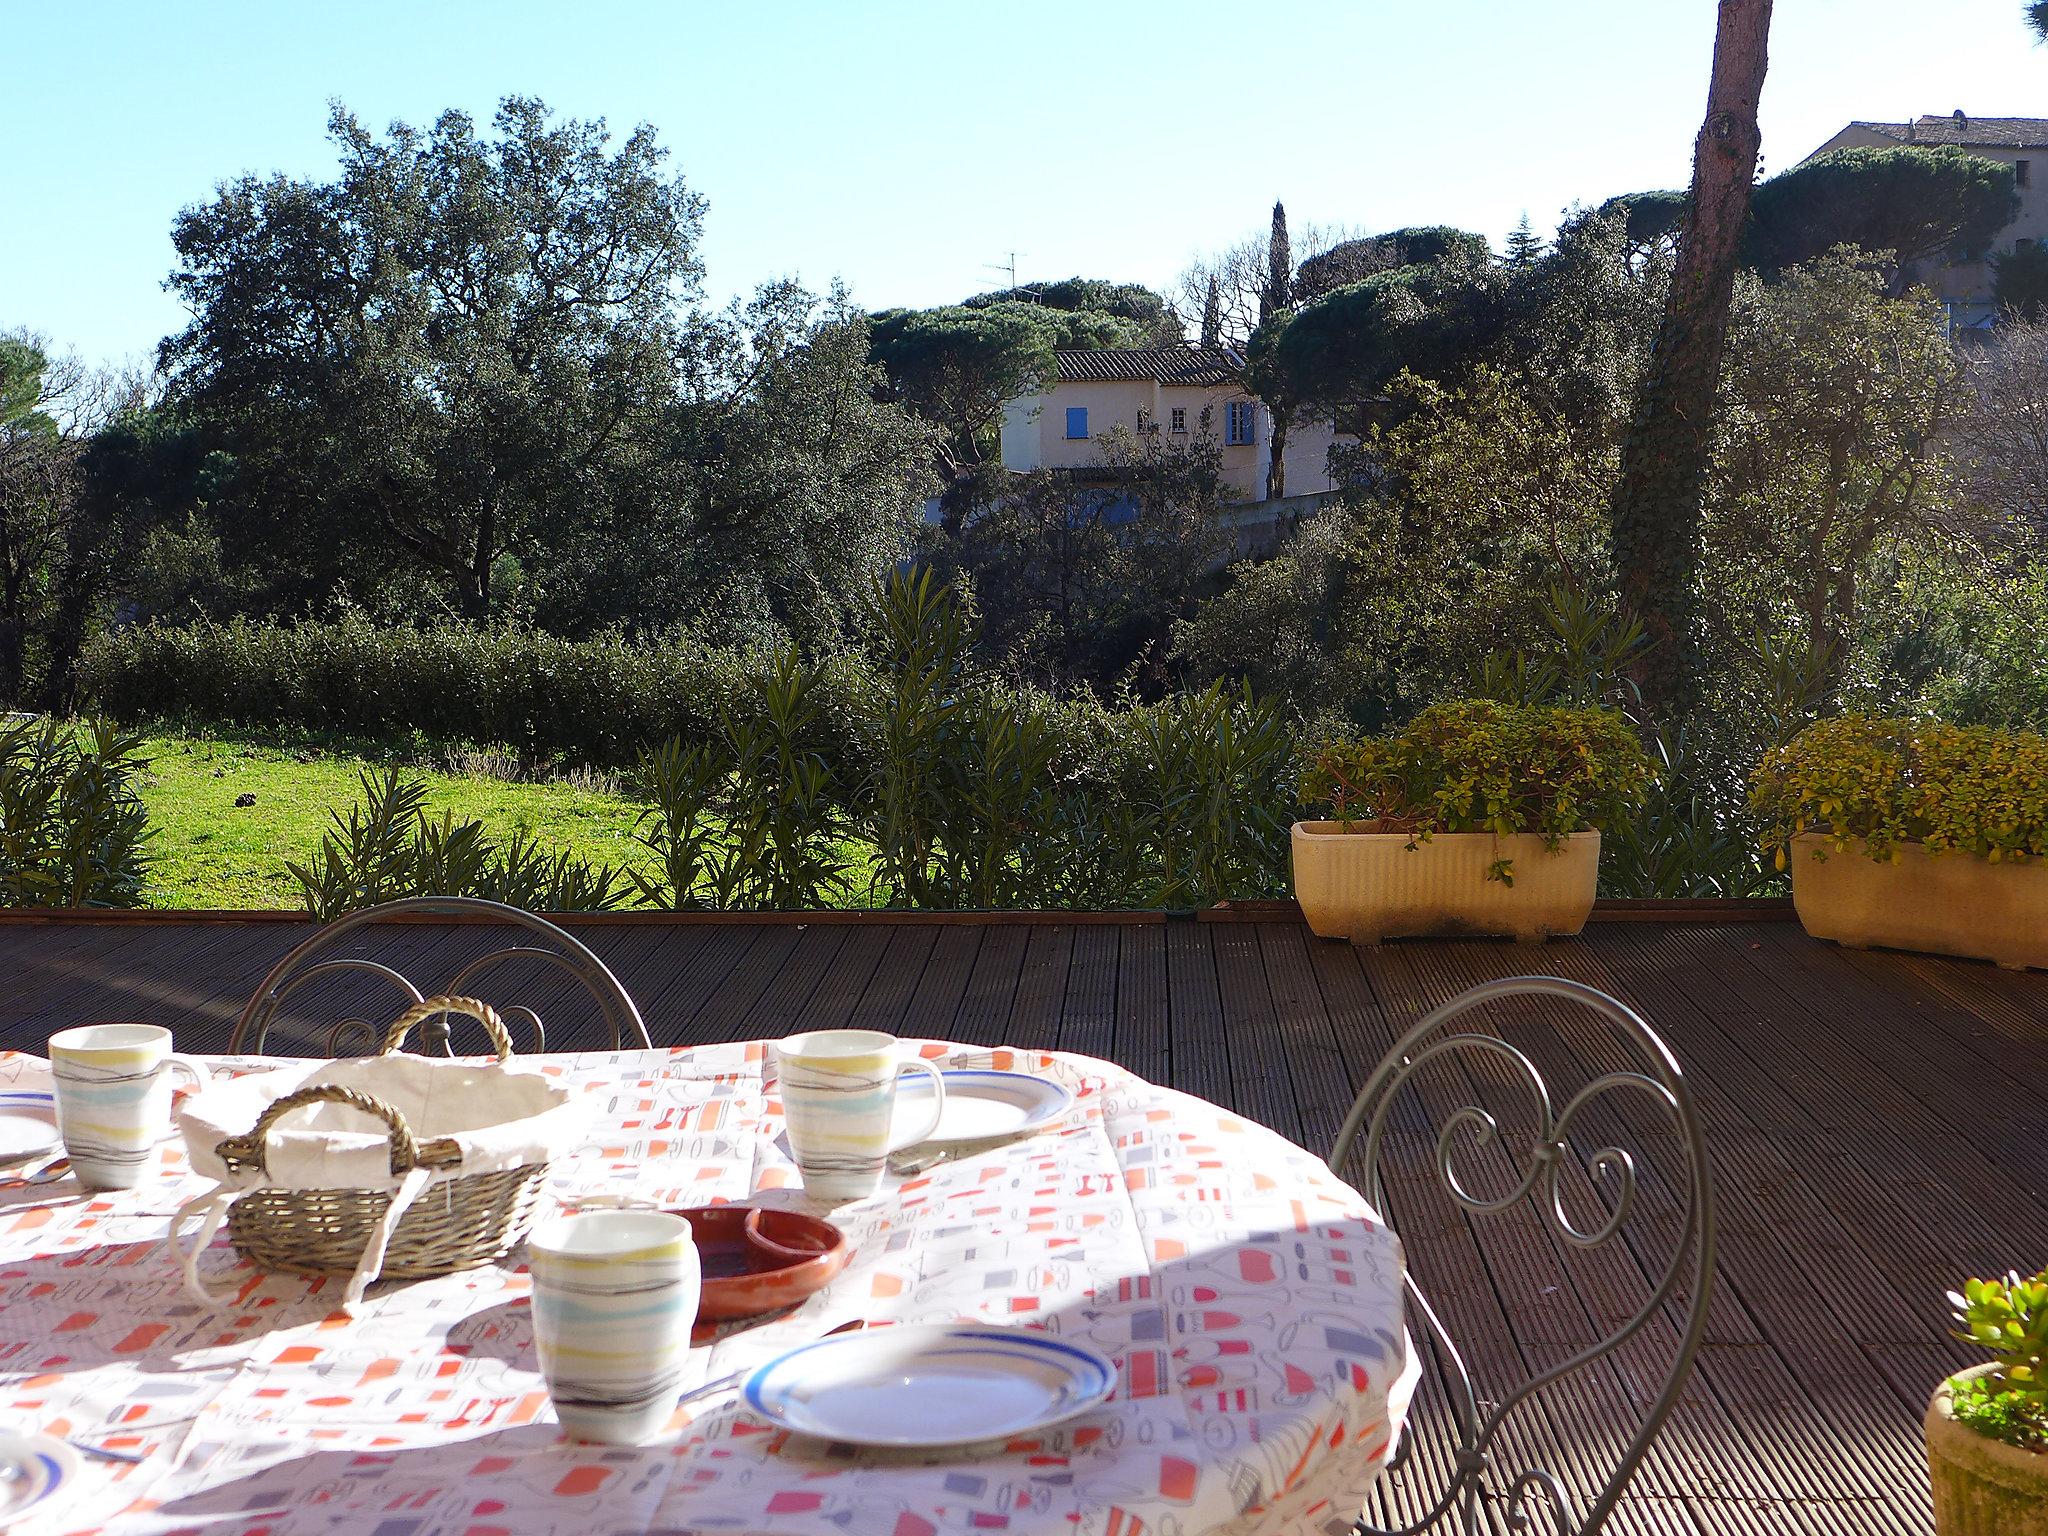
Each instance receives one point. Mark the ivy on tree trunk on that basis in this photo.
(1658, 506)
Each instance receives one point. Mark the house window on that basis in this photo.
(2019, 172)
(1177, 418)
(1238, 425)
(1077, 421)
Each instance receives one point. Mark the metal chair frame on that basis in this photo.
(568, 953)
(1462, 1502)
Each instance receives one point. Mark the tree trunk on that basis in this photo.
(1658, 506)
(1276, 467)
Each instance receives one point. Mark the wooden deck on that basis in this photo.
(1878, 1122)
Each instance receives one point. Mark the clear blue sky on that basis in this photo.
(900, 146)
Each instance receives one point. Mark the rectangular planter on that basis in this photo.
(1369, 886)
(1945, 904)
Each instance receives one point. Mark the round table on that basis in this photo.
(1250, 1299)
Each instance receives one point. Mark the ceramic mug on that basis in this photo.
(838, 1091)
(614, 1295)
(114, 1098)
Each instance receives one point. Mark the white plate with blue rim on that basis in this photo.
(981, 1105)
(37, 1474)
(925, 1385)
(28, 1128)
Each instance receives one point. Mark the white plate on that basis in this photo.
(929, 1384)
(36, 1474)
(980, 1105)
(28, 1127)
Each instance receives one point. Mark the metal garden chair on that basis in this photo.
(541, 942)
(1483, 1469)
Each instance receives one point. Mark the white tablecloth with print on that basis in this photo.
(1250, 1300)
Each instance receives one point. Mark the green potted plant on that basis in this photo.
(1987, 1427)
(1913, 834)
(1477, 817)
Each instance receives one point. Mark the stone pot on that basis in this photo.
(1369, 886)
(1946, 904)
(1982, 1487)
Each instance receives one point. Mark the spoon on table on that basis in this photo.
(732, 1378)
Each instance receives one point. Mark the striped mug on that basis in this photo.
(614, 1295)
(838, 1090)
(114, 1098)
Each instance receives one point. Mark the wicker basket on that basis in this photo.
(452, 1222)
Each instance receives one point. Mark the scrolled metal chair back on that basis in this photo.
(1477, 1467)
(542, 943)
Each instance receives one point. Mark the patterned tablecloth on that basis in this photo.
(1249, 1298)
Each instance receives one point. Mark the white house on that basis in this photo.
(2022, 142)
(1182, 392)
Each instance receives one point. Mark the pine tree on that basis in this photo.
(1212, 316)
(1524, 248)
(1279, 266)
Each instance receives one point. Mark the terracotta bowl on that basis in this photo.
(760, 1260)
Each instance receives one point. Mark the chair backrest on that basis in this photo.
(1469, 1136)
(540, 942)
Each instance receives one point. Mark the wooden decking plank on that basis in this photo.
(843, 979)
(1260, 1083)
(983, 1017)
(886, 997)
(1144, 1034)
(1315, 1061)
(1088, 1013)
(930, 1005)
(726, 1011)
(1041, 993)
(1973, 1003)
(1201, 1064)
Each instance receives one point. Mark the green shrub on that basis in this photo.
(2009, 1320)
(72, 831)
(1969, 789)
(387, 848)
(1478, 765)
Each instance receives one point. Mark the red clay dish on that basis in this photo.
(760, 1260)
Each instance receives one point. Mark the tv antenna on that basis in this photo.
(1010, 268)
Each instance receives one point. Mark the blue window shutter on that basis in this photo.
(1077, 421)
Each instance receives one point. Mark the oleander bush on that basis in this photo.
(1481, 765)
(387, 847)
(72, 831)
(1889, 782)
(2008, 1319)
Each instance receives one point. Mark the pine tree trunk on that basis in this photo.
(1276, 465)
(1658, 507)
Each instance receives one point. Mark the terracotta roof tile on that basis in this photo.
(1968, 132)
(1194, 366)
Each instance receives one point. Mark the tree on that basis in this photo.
(1279, 266)
(1525, 246)
(1340, 351)
(1838, 397)
(424, 355)
(776, 491)
(38, 467)
(1352, 261)
(1651, 221)
(1078, 579)
(958, 367)
(2003, 435)
(2037, 17)
(1116, 314)
(1913, 201)
(1658, 506)
(2019, 281)
(1242, 273)
(1212, 316)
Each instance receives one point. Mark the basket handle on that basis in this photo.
(468, 1007)
(405, 1150)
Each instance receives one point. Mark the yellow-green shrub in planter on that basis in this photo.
(1476, 818)
(1914, 834)
(1987, 1428)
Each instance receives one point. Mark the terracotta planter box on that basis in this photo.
(1953, 904)
(1369, 886)
(1982, 1487)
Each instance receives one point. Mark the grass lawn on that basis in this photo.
(211, 853)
